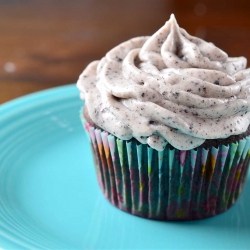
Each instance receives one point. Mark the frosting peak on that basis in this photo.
(175, 48)
(168, 88)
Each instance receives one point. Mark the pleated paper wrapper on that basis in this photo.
(172, 184)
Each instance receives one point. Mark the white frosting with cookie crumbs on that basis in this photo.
(168, 88)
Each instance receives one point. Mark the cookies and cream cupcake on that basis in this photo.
(168, 117)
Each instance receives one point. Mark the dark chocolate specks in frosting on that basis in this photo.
(168, 88)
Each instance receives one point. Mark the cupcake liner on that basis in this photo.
(172, 184)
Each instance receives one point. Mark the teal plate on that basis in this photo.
(50, 199)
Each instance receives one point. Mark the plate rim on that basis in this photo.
(65, 90)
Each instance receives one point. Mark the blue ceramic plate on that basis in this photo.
(50, 199)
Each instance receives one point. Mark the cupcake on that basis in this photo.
(168, 122)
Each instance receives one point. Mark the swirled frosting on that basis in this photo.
(168, 88)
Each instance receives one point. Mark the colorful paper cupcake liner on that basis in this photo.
(172, 184)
